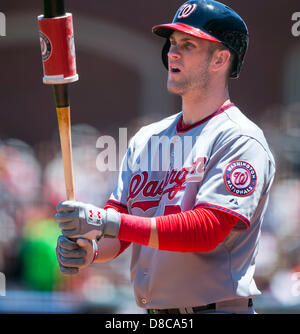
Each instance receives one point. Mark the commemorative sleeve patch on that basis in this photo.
(240, 178)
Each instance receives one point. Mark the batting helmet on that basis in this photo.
(210, 20)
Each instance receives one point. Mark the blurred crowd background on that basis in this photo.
(122, 85)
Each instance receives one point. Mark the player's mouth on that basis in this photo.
(174, 69)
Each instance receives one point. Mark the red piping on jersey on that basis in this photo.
(217, 207)
(118, 206)
(145, 205)
(186, 127)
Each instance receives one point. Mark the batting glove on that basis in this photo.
(80, 220)
(73, 256)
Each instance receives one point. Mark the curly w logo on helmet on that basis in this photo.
(186, 10)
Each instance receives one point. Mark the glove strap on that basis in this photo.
(112, 223)
(95, 249)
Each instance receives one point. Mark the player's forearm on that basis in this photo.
(198, 230)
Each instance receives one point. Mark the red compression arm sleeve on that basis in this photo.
(198, 230)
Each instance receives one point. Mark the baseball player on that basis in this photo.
(193, 188)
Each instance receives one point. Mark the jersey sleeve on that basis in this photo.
(118, 198)
(237, 179)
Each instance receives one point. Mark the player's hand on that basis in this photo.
(74, 255)
(78, 219)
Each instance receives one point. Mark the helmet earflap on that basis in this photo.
(164, 53)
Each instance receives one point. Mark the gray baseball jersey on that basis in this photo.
(222, 162)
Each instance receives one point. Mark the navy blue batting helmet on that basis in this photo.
(210, 20)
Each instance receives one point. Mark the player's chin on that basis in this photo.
(174, 87)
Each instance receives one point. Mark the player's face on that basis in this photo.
(189, 59)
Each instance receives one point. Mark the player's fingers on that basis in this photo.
(69, 225)
(61, 217)
(66, 243)
(71, 262)
(68, 271)
(76, 253)
(66, 206)
(72, 233)
(65, 270)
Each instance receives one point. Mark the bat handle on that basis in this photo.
(64, 125)
(63, 112)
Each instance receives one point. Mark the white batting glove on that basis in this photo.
(80, 220)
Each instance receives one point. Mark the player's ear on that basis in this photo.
(220, 60)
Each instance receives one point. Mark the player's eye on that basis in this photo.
(188, 45)
(182, 45)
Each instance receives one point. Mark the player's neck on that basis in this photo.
(197, 107)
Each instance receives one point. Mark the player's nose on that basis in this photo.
(174, 53)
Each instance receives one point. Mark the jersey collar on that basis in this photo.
(181, 127)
